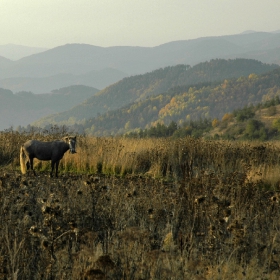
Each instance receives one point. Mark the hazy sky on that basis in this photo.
(50, 23)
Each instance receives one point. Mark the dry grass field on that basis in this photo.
(142, 209)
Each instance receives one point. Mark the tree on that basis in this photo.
(255, 130)
(127, 125)
(244, 114)
(227, 117)
(276, 124)
(271, 111)
(171, 128)
(215, 122)
(253, 76)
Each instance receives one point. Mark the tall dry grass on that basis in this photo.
(177, 209)
(169, 158)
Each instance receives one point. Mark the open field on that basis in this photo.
(142, 209)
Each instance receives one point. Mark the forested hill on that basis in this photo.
(185, 103)
(139, 87)
(22, 108)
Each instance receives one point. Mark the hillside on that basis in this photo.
(24, 107)
(260, 122)
(79, 59)
(139, 87)
(186, 103)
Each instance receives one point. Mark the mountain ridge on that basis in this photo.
(40, 85)
(79, 59)
(15, 52)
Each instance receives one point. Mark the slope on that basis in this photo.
(25, 107)
(139, 87)
(186, 103)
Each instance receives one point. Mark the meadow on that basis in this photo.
(141, 209)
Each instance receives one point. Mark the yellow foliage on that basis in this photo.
(127, 125)
(252, 76)
(215, 122)
(227, 117)
(224, 85)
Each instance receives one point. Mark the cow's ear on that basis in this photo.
(66, 138)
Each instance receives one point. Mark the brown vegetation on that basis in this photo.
(142, 209)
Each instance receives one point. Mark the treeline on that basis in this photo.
(193, 128)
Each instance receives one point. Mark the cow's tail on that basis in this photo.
(22, 160)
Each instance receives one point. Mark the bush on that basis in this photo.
(255, 130)
(244, 114)
(276, 124)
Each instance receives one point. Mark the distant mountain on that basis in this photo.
(139, 87)
(248, 32)
(25, 107)
(79, 59)
(5, 62)
(15, 52)
(99, 79)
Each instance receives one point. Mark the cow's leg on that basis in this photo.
(56, 168)
(31, 166)
(27, 165)
(52, 165)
